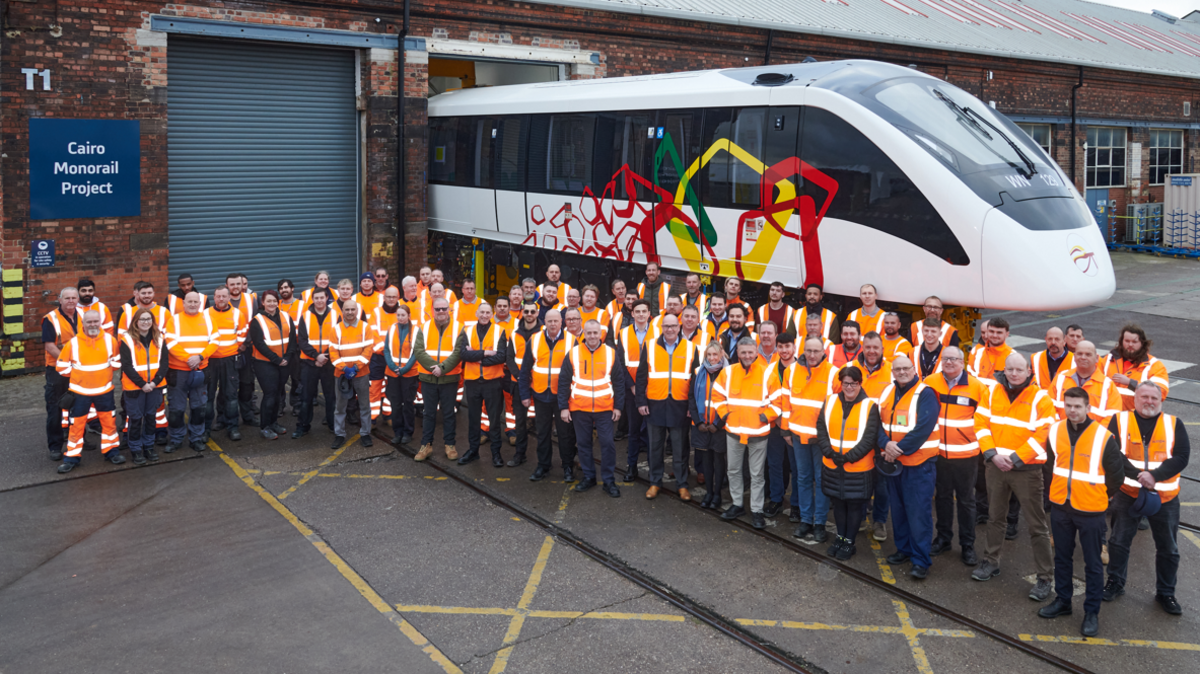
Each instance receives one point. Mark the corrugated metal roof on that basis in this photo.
(1064, 31)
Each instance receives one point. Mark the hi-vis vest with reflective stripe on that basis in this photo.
(1151, 370)
(518, 349)
(402, 352)
(1018, 427)
(1104, 401)
(351, 345)
(63, 331)
(231, 327)
(277, 337)
(418, 310)
(668, 375)
(806, 391)
(701, 303)
(1079, 470)
(490, 342)
(789, 317)
(597, 314)
(190, 336)
(161, 317)
(664, 291)
(1162, 447)
(846, 431)
(631, 348)
(899, 418)
(591, 378)
(957, 420)
(547, 361)
(106, 319)
(985, 361)
(439, 344)
(802, 322)
(89, 363)
(867, 323)
(175, 302)
(145, 360)
(319, 333)
(1039, 365)
(918, 333)
(741, 395)
(381, 321)
(464, 312)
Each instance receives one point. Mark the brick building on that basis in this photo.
(268, 131)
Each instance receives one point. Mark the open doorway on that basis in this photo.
(450, 74)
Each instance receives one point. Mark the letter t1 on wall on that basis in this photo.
(30, 73)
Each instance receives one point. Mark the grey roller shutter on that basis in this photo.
(263, 152)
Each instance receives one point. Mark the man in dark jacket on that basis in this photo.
(527, 326)
(314, 332)
(592, 405)
(737, 330)
(664, 376)
(483, 357)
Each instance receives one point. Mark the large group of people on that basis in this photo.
(788, 402)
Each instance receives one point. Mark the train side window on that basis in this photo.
(539, 154)
(622, 151)
(443, 135)
(485, 144)
(572, 139)
(464, 151)
(871, 190)
(510, 153)
(680, 130)
(715, 186)
(749, 134)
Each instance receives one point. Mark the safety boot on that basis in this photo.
(424, 453)
(451, 452)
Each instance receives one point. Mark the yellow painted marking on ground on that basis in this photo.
(560, 615)
(518, 621)
(911, 632)
(503, 479)
(313, 473)
(1084, 641)
(1190, 504)
(516, 519)
(875, 629)
(562, 506)
(455, 610)
(1191, 537)
(340, 564)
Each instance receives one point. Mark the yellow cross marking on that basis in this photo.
(910, 631)
(1085, 641)
(313, 473)
(518, 619)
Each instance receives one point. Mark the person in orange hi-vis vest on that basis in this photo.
(144, 366)
(440, 366)
(58, 327)
(401, 375)
(350, 353)
(314, 335)
(1055, 358)
(1088, 471)
(846, 351)
(1157, 450)
(381, 320)
(232, 327)
(629, 341)
(869, 316)
(934, 309)
(591, 401)
(291, 305)
(191, 340)
(664, 376)
(654, 289)
(527, 326)
(1130, 363)
(540, 371)
(88, 360)
(273, 337)
(848, 435)
(894, 344)
(807, 384)
(484, 350)
(1089, 375)
(987, 359)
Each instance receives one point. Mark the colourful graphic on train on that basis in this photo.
(586, 232)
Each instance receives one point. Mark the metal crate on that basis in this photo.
(1144, 224)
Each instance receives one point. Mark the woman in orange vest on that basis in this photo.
(401, 375)
(847, 433)
(708, 428)
(143, 377)
(274, 347)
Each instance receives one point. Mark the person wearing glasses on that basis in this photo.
(933, 309)
(526, 328)
(847, 434)
(439, 361)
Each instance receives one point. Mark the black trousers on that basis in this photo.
(521, 413)
(402, 392)
(477, 393)
(310, 377)
(291, 373)
(848, 515)
(443, 396)
(271, 380)
(56, 386)
(223, 391)
(712, 467)
(546, 416)
(246, 374)
(1065, 524)
(956, 482)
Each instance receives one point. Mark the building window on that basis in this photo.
(1166, 154)
(1105, 157)
(1040, 133)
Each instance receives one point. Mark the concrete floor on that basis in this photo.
(289, 556)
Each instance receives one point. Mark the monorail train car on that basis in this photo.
(840, 173)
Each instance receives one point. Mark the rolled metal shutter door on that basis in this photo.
(263, 153)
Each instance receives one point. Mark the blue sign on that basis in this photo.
(42, 253)
(1181, 181)
(84, 168)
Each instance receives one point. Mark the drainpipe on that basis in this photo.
(401, 168)
(1074, 142)
(770, 40)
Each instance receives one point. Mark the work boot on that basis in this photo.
(67, 466)
(234, 433)
(424, 452)
(880, 532)
(1010, 532)
(451, 452)
(139, 458)
(150, 453)
(1055, 608)
(172, 446)
(337, 443)
(985, 571)
(1041, 591)
(1112, 589)
(114, 457)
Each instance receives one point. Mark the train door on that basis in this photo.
(680, 225)
(462, 197)
(511, 138)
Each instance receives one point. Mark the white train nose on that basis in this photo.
(1034, 270)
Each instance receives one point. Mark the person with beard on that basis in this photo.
(849, 349)
(694, 297)
(527, 326)
(1130, 363)
(716, 321)
(630, 342)
(231, 326)
(58, 327)
(893, 344)
(736, 332)
(782, 315)
(382, 320)
(88, 302)
(184, 285)
(554, 278)
(619, 322)
(654, 289)
(733, 297)
(1012, 441)
(814, 305)
(813, 330)
(367, 297)
(988, 359)
(617, 305)
(290, 305)
(1047, 363)
(589, 310)
(314, 335)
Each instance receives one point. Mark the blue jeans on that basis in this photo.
(806, 486)
(190, 393)
(911, 494)
(1164, 528)
(781, 465)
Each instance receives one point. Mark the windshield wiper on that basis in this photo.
(1011, 143)
(974, 118)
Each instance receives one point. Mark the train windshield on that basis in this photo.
(990, 153)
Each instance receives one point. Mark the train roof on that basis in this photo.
(1064, 31)
(669, 90)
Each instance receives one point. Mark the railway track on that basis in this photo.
(725, 625)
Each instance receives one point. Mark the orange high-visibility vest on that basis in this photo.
(789, 317)
(1104, 398)
(518, 345)
(845, 431)
(1018, 426)
(381, 321)
(873, 383)
(1151, 370)
(368, 303)
(631, 348)
(1079, 470)
(161, 317)
(802, 321)
(145, 360)
(89, 362)
(591, 378)
(867, 323)
(918, 335)
(964, 408)
(836, 354)
(741, 395)
(596, 314)
(106, 318)
(806, 391)
(231, 327)
(442, 346)
(986, 361)
(701, 302)
(292, 308)
(463, 312)
(320, 334)
(245, 303)
(614, 308)
(937, 368)
(664, 291)
(277, 337)
(419, 310)
(63, 332)
(190, 336)
(896, 346)
(1040, 367)
(668, 374)
(1162, 447)
(175, 302)
(899, 418)
(351, 345)
(490, 342)
(547, 361)
(402, 352)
